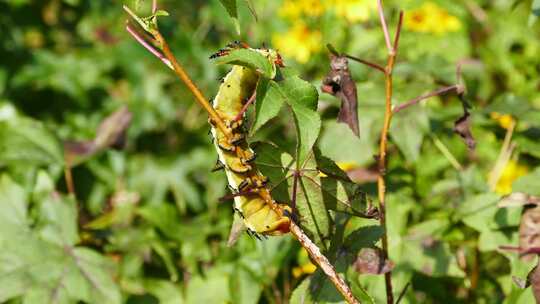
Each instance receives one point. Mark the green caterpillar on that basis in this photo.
(261, 214)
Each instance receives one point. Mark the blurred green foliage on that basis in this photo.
(146, 225)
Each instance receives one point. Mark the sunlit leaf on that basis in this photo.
(43, 262)
(29, 142)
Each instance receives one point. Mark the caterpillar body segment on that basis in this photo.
(261, 214)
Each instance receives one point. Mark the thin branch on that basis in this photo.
(416, 100)
(294, 191)
(449, 156)
(69, 180)
(154, 6)
(245, 107)
(68, 176)
(369, 64)
(315, 253)
(398, 31)
(147, 46)
(402, 294)
(181, 73)
(381, 184)
(384, 27)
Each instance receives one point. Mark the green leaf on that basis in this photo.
(267, 104)
(477, 211)
(232, 10)
(310, 205)
(165, 291)
(426, 251)
(316, 288)
(535, 12)
(302, 97)
(28, 142)
(363, 237)
(316, 193)
(407, 131)
(340, 144)
(161, 249)
(249, 58)
(39, 262)
(528, 145)
(509, 103)
(215, 286)
(529, 183)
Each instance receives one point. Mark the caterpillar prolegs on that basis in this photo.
(261, 214)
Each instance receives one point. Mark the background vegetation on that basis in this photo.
(146, 224)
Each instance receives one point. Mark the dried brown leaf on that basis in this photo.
(518, 199)
(338, 82)
(462, 126)
(110, 133)
(529, 232)
(372, 261)
(534, 279)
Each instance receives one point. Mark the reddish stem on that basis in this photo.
(147, 46)
(245, 107)
(398, 31)
(370, 64)
(426, 96)
(384, 27)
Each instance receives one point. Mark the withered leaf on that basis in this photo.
(529, 232)
(372, 261)
(462, 126)
(110, 133)
(521, 283)
(534, 279)
(338, 82)
(237, 228)
(518, 199)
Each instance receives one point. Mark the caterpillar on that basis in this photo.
(252, 200)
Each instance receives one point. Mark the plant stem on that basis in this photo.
(369, 64)
(449, 156)
(315, 253)
(69, 180)
(245, 107)
(384, 27)
(154, 6)
(381, 184)
(147, 46)
(416, 100)
(180, 72)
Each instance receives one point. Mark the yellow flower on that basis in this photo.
(305, 265)
(345, 166)
(505, 120)
(510, 173)
(430, 18)
(299, 42)
(353, 10)
(299, 8)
